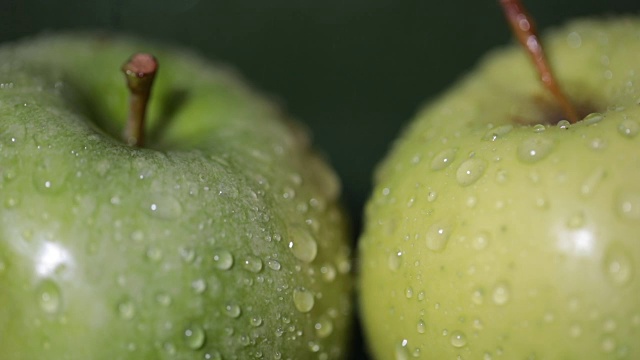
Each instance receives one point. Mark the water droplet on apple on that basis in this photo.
(328, 272)
(534, 149)
(323, 326)
(194, 336)
(252, 264)
(443, 159)
(618, 265)
(222, 259)
(302, 244)
(165, 207)
(608, 344)
(395, 260)
(597, 144)
(481, 240)
(303, 299)
(593, 118)
(477, 296)
(629, 128)
(563, 124)
(432, 196)
(592, 181)
(408, 292)
(438, 235)
(421, 327)
(401, 352)
(458, 339)
(497, 133)
(538, 128)
(187, 254)
(232, 310)
(627, 204)
(501, 293)
(470, 171)
(198, 286)
(274, 264)
(574, 40)
(126, 309)
(49, 296)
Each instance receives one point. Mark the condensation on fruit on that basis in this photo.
(534, 149)
(49, 296)
(232, 310)
(302, 244)
(194, 336)
(470, 171)
(618, 265)
(394, 261)
(222, 259)
(497, 132)
(501, 293)
(438, 235)
(627, 204)
(443, 159)
(165, 207)
(629, 128)
(590, 184)
(303, 299)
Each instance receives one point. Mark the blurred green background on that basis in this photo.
(354, 71)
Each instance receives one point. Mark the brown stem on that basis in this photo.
(140, 71)
(524, 29)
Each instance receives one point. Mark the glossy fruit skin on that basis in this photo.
(223, 239)
(492, 236)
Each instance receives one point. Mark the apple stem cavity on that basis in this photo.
(524, 29)
(140, 71)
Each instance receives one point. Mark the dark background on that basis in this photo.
(355, 71)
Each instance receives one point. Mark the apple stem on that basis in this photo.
(524, 29)
(140, 71)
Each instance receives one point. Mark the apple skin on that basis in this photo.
(492, 234)
(223, 239)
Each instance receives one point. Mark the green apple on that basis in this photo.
(221, 238)
(496, 230)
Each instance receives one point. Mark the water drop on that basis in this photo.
(432, 196)
(563, 124)
(395, 260)
(198, 286)
(252, 264)
(629, 128)
(575, 331)
(49, 296)
(477, 296)
(443, 159)
(194, 336)
(481, 240)
(303, 299)
(126, 309)
(593, 118)
(421, 327)
(574, 40)
(618, 265)
(470, 171)
(497, 133)
(222, 259)
(437, 236)
(627, 204)
(212, 355)
(538, 128)
(501, 293)
(302, 244)
(274, 264)
(534, 149)
(232, 310)
(255, 321)
(458, 339)
(608, 344)
(324, 326)
(328, 272)
(165, 207)
(408, 292)
(401, 352)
